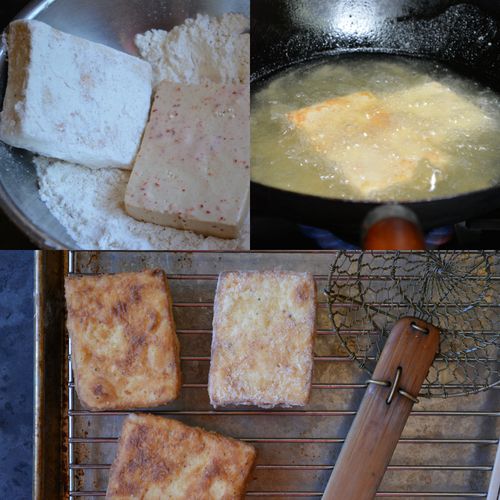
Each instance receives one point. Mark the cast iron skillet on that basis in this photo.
(464, 35)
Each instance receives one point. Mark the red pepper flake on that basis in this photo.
(207, 211)
(201, 206)
(183, 190)
(157, 184)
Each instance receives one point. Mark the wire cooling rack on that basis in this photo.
(447, 449)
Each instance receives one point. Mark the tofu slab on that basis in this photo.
(72, 99)
(192, 170)
(125, 351)
(160, 458)
(263, 334)
(443, 112)
(380, 141)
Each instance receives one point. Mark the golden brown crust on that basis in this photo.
(358, 99)
(263, 335)
(160, 458)
(125, 351)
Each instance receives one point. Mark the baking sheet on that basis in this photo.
(447, 449)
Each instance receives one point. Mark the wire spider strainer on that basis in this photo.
(444, 307)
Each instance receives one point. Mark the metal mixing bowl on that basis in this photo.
(113, 23)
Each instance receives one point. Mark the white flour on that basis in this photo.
(201, 49)
(89, 203)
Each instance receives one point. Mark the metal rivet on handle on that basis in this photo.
(394, 387)
(419, 328)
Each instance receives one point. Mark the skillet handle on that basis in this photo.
(392, 227)
(374, 434)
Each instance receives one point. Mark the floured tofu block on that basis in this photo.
(72, 99)
(160, 458)
(380, 141)
(192, 170)
(262, 343)
(125, 351)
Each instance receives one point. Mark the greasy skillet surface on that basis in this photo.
(463, 35)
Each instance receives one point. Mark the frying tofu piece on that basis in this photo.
(125, 351)
(73, 99)
(192, 171)
(444, 113)
(263, 334)
(160, 458)
(380, 141)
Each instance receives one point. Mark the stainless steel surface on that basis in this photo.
(114, 23)
(447, 449)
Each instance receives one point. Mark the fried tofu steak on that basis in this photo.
(263, 334)
(160, 458)
(125, 351)
(380, 141)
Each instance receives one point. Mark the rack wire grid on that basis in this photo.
(447, 449)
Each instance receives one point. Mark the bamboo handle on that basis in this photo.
(392, 227)
(378, 425)
(494, 488)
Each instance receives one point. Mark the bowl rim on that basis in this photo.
(7, 204)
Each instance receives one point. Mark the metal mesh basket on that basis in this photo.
(454, 291)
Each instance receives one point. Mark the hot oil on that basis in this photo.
(461, 161)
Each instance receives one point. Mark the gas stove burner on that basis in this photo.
(327, 240)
